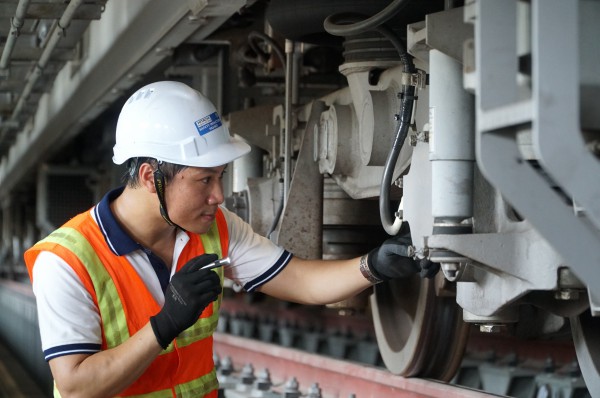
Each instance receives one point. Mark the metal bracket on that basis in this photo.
(417, 79)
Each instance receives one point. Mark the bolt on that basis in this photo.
(291, 389)
(490, 328)
(227, 366)
(263, 382)
(247, 374)
(314, 391)
(568, 280)
(566, 294)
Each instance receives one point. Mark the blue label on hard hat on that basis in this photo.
(208, 123)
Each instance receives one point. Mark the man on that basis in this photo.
(124, 305)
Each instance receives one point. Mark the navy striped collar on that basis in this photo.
(116, 238)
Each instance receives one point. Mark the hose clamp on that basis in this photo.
(417, 79)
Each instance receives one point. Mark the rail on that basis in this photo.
(335, 378)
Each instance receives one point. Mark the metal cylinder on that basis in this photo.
(249, 166)
(451, 140)
(290, 74)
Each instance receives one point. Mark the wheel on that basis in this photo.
(418, 333)
(585, 330)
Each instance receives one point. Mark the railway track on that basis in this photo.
(295, 373)
(257, 334)
(303, 360)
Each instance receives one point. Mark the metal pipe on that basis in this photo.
(297, 57)
(55, 36)
(16, 24)
(289, 83)
(452, 149)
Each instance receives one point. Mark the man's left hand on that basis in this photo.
(393, 259)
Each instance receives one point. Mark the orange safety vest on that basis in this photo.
(185, 368)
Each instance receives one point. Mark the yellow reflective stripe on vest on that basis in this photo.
(212, 244)
(157, 394)
(200, 330)
(205, 326)
(211, 241)
(192, 389)
(198, 387)
(109, 303)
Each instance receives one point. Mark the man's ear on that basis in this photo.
(146, 177)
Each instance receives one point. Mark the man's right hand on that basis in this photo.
(191, 289)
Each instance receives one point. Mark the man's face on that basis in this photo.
(193, 196)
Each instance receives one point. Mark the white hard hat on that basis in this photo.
(172, 122)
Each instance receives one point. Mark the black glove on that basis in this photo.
(391, 259)
(189, 292)
(428, 269)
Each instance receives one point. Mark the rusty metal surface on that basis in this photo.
(300, 230)
(418, 333)
(336, 378)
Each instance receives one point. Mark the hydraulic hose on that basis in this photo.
(399, 46)
(252, 36)
(365, 25)
(392, 225)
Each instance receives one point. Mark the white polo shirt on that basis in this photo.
(68, 318)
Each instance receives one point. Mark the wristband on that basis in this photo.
(366, 271)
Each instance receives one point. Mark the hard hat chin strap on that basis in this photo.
(159, 184)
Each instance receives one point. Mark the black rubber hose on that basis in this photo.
(390, 164)
(406, 109)
(252, 36)
(399, 46)
(364, 25)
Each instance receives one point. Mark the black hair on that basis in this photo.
(131, 179)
